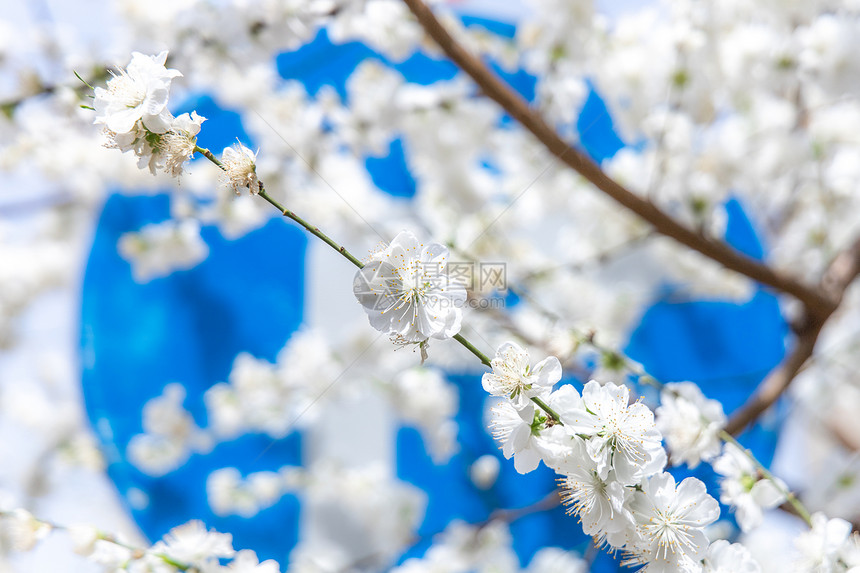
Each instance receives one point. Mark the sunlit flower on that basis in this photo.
(623, 436)
(406, 292)
(240, 169)
(670, 523)
(177, 145)
(513, 376)
(139, 92)
(597, 502)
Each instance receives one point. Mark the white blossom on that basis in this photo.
(513, 376)
(484, 471)
(556, 560)
(517, 431)
(599, 503)
(742, 489)
(406, 292)
(84, 538)
(425, 399)
(240, 169)
(623, 436)
(158, 249)
(690, 423)
(177, 145)
(138, 93)
(821, 547)
(23, 529)
(670, 524)
(246, 561)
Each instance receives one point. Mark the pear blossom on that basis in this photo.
(622, 436)
(240, 169)
(517, 431)
(177, 145)
(529, 435)
(138, 93)
(742, 489)
(598, 503)
(512, 375)
(670, 522)
(690, 423)
(406, 292)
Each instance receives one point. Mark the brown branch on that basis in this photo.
(496, 89)
(844, 268)
(775, 384)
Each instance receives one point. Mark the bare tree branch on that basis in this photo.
(842, 271)
(816, 303)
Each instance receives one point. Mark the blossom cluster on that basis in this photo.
(612, 462)
(133, 110)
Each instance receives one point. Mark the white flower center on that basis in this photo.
(671, 536)
(126, 91)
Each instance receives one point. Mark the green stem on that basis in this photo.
(310, 228)
(789, 496)
(545, 407)
(209, 155)
(471, 348)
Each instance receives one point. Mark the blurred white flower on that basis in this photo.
(742, 489)
(725, 557)
(485, 471)
(23, 529)
(424, 398)
(192, 544)
(556, 560)
(139, 92)
(158, 249)
(84, 537)
(246, 561)
(822, 546)
(690, 423)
